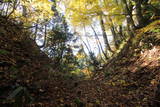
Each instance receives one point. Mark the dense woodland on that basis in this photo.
(48, 57)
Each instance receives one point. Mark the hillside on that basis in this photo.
(29, 78)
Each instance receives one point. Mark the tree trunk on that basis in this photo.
(129, 17)
(100, 45)
(115, 37)
(45, 36)
(130, 31)
(15, 4)
(87, 38)
(107, 46)
(24, 11)
(35, 33)
(139, 16)
(120, 33)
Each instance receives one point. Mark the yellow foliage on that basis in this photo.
(81, 12)
(36, 10)
(86, 71)
(80, 56)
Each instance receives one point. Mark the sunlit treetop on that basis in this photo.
(113, 12)
(81, 12)
(33, 10)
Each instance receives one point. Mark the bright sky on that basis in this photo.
(87, 37)
(90, 39)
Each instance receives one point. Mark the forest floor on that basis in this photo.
(133, 80)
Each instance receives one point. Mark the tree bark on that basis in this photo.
(87, 38)
(36, 30)
(24, 11)
(115, 37)
(128, 15)
(15, 4)
(45, 36)
(120, 33)
(100, 45)
(107, 46)
(139, 16)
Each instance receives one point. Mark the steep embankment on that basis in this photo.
(27, 78)
(131, 78)
(22, 64)
(136, 74)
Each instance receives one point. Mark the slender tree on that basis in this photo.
(99, 43)
(107, 46)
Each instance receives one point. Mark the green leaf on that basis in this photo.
(4, 52)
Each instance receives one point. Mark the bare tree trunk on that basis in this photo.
(115, 37)
(100, 45)
(24, 12)
(99, 49)
(64, 25)
(15, 4)
(129, 14)
(45, 36)
(3, 6)
(120, 32)
(87, 39)
(107, 46)
(89, 51)
(36, 30)
(114, 34)
(139, 16)
(130, 31)
(7, 9)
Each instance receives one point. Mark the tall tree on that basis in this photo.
(99, 43)
(128, 14)
(139, 15)
(105, 35)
